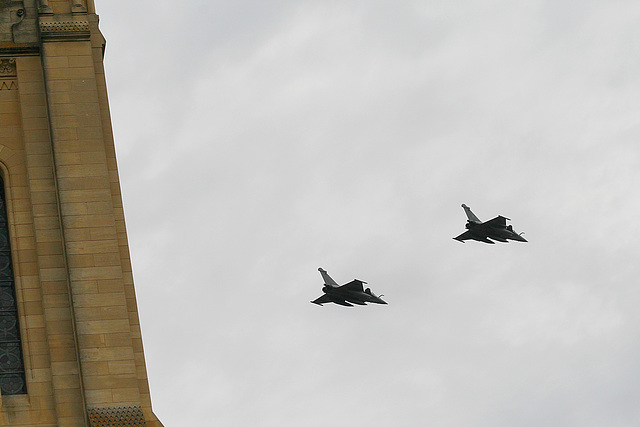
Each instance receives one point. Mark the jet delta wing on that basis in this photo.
(347, 294)
(498, 221)
(468, 235)
(494, 229)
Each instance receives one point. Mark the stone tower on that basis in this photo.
(70, 343)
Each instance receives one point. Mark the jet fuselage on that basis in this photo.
(481, 232)
(347, 294)
(352, 296)
(488, 231)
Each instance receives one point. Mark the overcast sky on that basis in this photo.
(259, 140)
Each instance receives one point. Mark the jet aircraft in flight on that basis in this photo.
(352, 292)
(496, 229)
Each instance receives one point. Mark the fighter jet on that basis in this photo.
(496, 229)
(353, 292)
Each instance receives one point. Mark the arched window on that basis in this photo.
(12, 379)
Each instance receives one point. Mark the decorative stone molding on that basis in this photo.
(64, 29)
(7, 67)
(8, 74)
(8, 85)
(118, 416)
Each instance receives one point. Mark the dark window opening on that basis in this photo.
(12, 378)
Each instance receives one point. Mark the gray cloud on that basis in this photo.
(265, 140)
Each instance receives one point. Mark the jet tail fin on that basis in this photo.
(327, 279)
(470, 215)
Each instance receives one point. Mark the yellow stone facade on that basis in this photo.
(80, 333)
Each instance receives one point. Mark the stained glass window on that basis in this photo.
(12, 379)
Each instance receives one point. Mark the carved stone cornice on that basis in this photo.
(52, 28)
(130, 416)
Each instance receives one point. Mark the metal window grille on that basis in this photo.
(12, 378)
